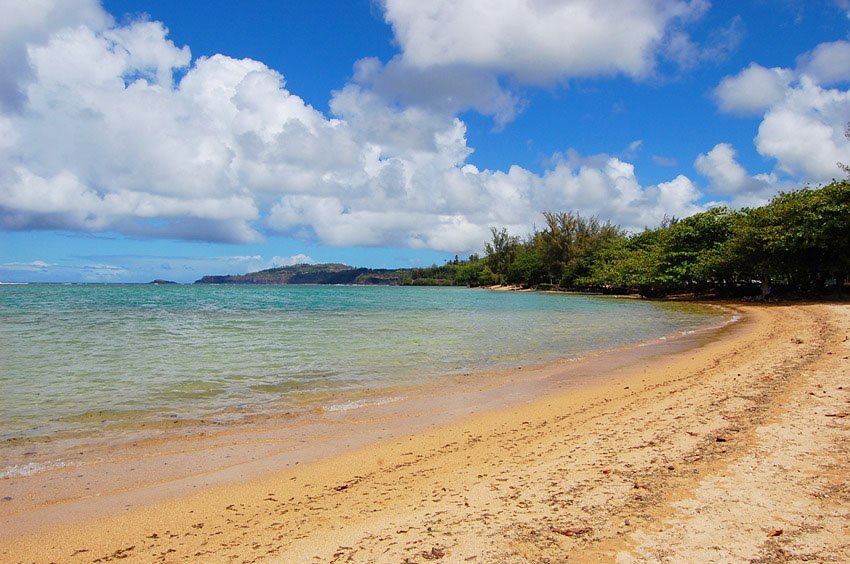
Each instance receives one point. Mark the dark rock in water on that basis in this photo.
(158, 281)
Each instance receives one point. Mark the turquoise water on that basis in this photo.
(76, 360)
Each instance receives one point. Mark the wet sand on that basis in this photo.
(729, 448)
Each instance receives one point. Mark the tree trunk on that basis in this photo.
(765, 286)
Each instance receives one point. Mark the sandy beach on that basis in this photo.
(730, 449)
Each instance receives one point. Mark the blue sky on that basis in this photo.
(159, 139)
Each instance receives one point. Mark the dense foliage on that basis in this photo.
(798, 243)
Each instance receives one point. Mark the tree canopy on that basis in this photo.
(799, 242)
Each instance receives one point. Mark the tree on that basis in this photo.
(501, 251)
(556, 242)
(528, 267)
(569, 243)
(474, 272)
(832, 235)
(632, 264)
(691, 245)
(799, 241)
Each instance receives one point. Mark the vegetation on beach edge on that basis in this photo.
(798, 243)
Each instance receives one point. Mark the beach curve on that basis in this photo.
(740, 438)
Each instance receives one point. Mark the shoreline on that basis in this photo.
(139, 471)
(496, 463)
(285, 434)
(163, 381)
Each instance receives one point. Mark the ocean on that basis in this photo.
(87, 363)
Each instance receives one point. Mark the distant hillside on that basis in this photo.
(332, 273)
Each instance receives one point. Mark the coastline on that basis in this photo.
(128, 467)
(549, 468)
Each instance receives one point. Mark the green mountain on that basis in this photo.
(332, 273)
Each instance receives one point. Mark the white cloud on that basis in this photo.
(608, 187)
(676, 197)
(753, 90)
(32, 23)
(291, 260)
(108, 142)
(729, 178)
(804, 119)
(63, 202)
(727, 175)
(466, 202)
(827, 64)
(537, 41)
(805, 133)
(448, 89)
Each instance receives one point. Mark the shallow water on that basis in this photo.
(80, 362)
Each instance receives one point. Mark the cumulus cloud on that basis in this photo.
(108, 142)
(32, 23)
(805, 133)
(730, 179)
(106, 139)
(608, 187)
(827, 64)
(752, 90)
(804, 114)
(537, 41)
(476, 54)
(720, 165)
(451, 89)
(466, 201)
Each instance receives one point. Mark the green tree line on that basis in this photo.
(797, 243)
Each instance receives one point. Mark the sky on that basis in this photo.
(153, 139)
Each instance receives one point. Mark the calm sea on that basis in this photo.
(80, 361)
